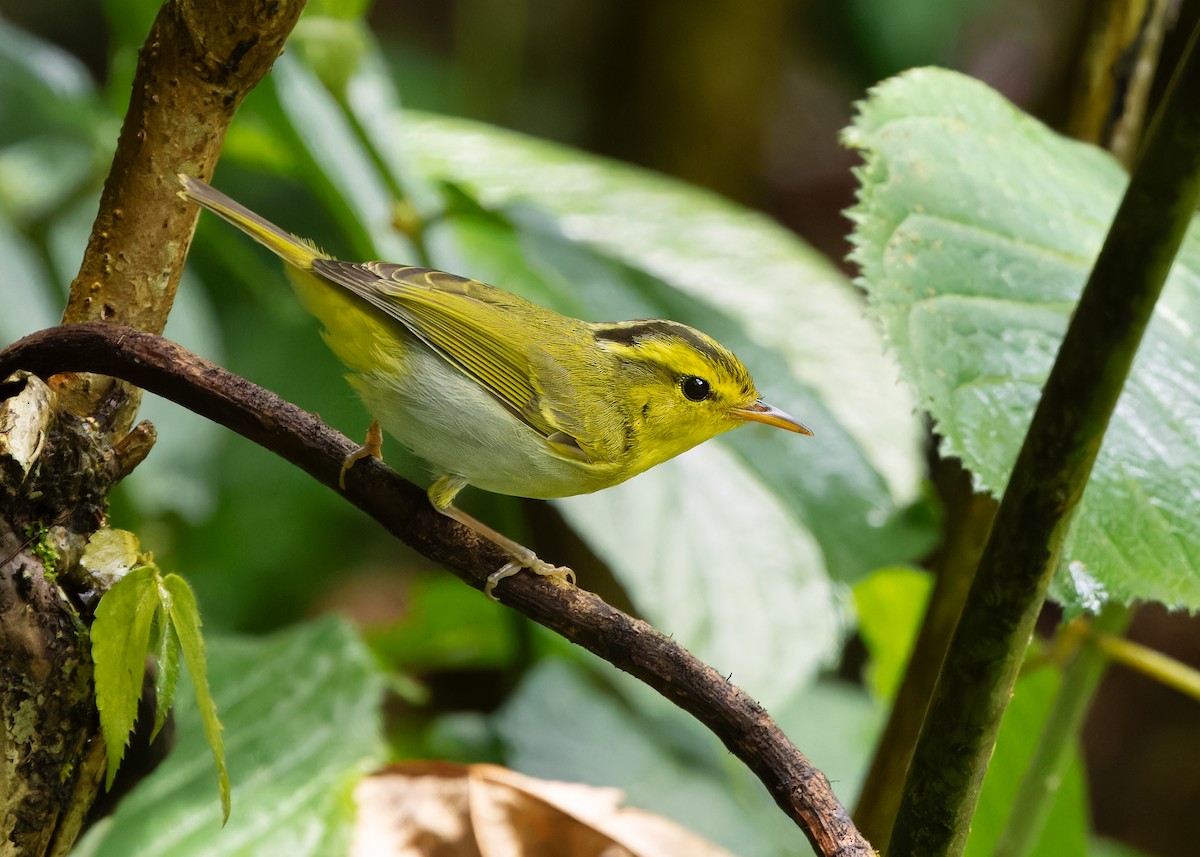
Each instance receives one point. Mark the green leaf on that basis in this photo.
(302, 724)
(976, 227)
(185, 624)
(556, 225)
(165, 646)
(120, 641)
(891, 604)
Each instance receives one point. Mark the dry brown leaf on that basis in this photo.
(435, 809)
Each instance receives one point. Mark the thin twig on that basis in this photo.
(168, 370)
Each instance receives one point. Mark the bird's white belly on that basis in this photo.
(451, 422)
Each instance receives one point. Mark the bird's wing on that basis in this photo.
(468, 323)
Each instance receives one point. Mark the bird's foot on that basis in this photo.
(372, 447)
(531, 562)
(443, 492)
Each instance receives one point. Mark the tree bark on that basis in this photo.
(65, 443)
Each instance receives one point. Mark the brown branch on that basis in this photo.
(199, 61)
(197, 64)
(42, 658)
(402, 508)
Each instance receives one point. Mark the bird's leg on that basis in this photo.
(372, 446)
(441, 495)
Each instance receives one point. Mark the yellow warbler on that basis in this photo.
(503, 394)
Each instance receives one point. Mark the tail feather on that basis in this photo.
(293, 250)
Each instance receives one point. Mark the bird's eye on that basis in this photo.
(696, 389)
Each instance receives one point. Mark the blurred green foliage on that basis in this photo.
(746, 549)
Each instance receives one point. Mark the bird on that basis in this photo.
(497, 392)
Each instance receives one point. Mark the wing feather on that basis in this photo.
(468, 323)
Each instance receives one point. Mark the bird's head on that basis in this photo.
(682, 387)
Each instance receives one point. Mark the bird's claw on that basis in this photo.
(537, 566)
(372, 448)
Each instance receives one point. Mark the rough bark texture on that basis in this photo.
(198, 63)
(63, 445)
(53, 493)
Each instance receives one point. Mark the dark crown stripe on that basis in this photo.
(629, 333)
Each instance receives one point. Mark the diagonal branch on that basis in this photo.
(168, 370)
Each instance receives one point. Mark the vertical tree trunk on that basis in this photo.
(63, 446)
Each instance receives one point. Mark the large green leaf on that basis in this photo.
(602, 240)
(302, 723)
(718, 256)
(976, 229)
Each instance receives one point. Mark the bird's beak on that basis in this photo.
(761, 412)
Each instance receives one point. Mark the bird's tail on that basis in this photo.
(295, 251)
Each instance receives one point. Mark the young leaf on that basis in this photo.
(120, 641)
(976, 227)
(185, 621)
(166, 654)
(110, 554)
